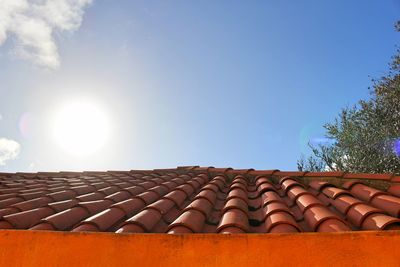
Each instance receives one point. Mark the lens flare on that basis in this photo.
(315, 141)
(312, 133)
(396, 147)
(25, 124)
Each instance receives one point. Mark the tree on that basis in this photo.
(367, 135)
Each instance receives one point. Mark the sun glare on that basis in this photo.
(80, 128)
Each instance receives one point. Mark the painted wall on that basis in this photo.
(41, 248)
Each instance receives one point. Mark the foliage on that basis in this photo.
(367, 135)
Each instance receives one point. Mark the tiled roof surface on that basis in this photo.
(199, 200)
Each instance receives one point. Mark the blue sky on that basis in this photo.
(214, 83)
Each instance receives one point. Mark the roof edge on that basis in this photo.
(366, 248)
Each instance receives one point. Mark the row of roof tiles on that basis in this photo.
(227, 171)
(190, 200)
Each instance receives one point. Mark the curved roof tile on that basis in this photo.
(200, 199)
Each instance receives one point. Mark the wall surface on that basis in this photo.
(41, 248)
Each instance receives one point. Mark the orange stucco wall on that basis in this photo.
(32, 248)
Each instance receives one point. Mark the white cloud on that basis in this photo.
(32, 24)
(9, 149)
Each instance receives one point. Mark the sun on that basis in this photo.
(80, 128)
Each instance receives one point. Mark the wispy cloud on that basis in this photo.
(9, 149)
(32, 24)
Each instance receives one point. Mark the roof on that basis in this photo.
(199, 200)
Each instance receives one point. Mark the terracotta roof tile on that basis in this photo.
(324, 174)
(192, 199)
(281, 222)
(394, 189)
(371, 176)
(396, 178)
(291, 173)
